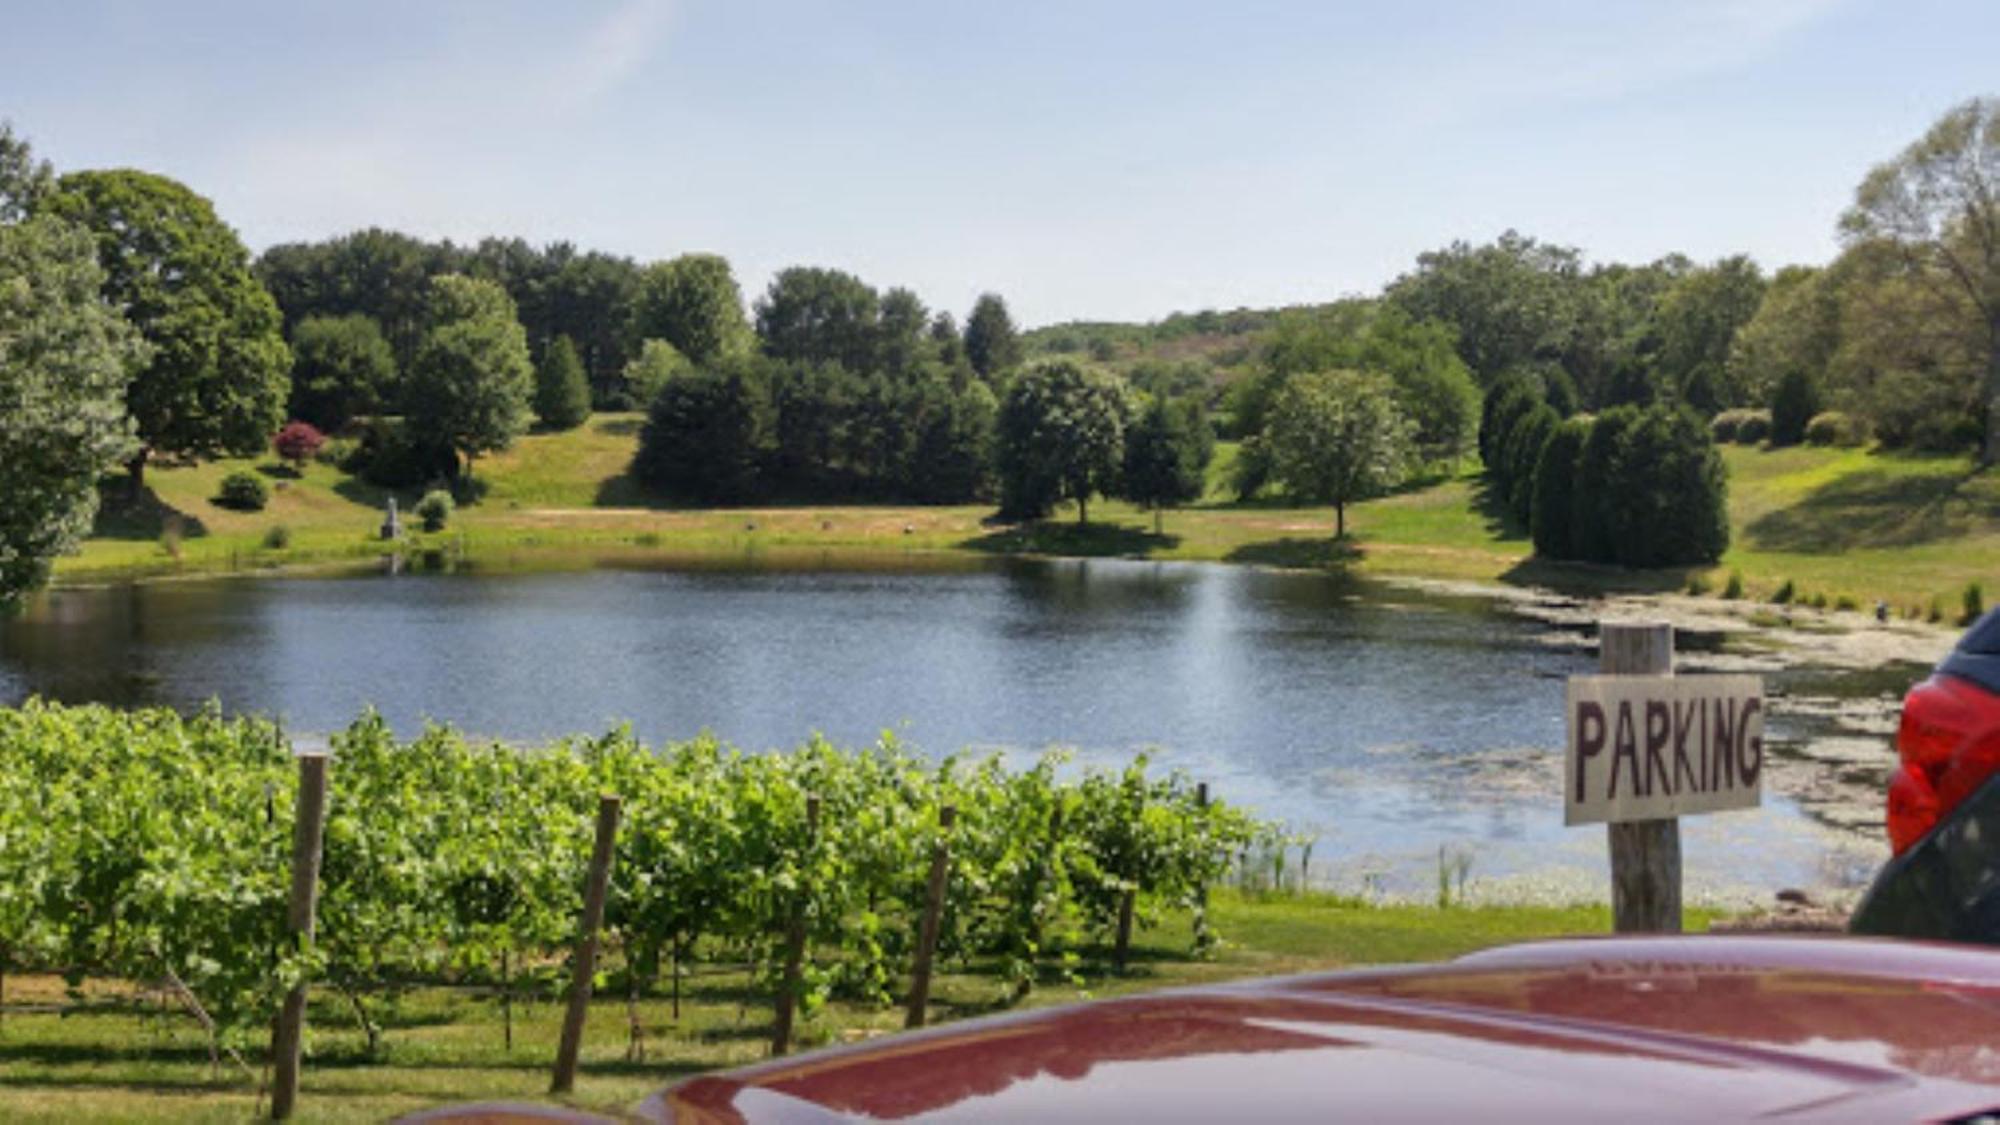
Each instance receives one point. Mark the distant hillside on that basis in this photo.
(1221, 342)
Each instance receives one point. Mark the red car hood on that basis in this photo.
(1830, 1029)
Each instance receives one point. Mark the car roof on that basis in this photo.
(1977, 657)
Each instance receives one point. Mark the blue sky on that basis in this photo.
(1087, 160)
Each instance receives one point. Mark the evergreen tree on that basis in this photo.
(562, 394)
(707, 434)
(1523, 450)
(1793, 404)
(1594, 511)
(1667, 491)
(1552, 514)
(991, 342)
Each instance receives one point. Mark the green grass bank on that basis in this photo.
(1835, 523)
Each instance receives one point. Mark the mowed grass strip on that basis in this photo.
(129, 1055)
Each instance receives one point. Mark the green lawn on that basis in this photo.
(1835, 522)
(121, 1057)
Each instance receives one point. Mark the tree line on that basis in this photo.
(135, 325)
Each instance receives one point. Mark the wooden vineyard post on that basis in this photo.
(795, 945)
(307, 832)
(927, 936)
(595, 888)
(1201, 892)
(1645, 854)
(1124, 931)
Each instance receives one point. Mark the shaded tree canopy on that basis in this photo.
(707, 433)
(217, 378)
(1167, 451)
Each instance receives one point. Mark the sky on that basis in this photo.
(1094, 161)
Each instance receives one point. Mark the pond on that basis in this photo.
(1383, 722)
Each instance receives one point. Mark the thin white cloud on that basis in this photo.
(614, 49)
(1590, 49)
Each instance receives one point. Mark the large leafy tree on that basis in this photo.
(24, 180)
(815, 315)
(1061, 436)
(1434, 388)
(693, 303)
(218, 376)
(1512, 301)
(1336, 437)
(1937, 204)
(1167, 450)
(64, 357)
(1796, 327)
(472, 381)
(1698, 318)
(341, 366)
(992, 344)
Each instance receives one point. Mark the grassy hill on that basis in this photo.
(1833, 522)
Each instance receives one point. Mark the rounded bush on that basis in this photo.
(244, 491)
(1723, 425)
(298, 442)
(1754, 427)
(1832, 427)
(435, 509)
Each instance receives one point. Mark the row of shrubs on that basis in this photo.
(1972, 599)
(1828, 427)
(1634, 486)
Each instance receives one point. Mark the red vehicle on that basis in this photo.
(1944, 803)
(1707, 1028)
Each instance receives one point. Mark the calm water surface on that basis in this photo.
(1387, 723)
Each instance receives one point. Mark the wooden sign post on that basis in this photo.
(1645, 748)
